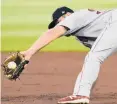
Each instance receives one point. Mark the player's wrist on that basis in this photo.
(31, 52)
(27, 54)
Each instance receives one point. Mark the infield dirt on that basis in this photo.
(51, 75)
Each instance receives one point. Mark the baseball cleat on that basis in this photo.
(74, 99)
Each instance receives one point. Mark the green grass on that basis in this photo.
(23, 21)
(22, 43)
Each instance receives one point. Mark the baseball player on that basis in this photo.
(94, 29)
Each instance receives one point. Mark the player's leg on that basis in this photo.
(105, 45)
(90, 71)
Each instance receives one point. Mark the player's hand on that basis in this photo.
(27, 55)
(13, 65)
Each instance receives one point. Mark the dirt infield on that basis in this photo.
(51, 75)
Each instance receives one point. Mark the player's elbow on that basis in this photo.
(49, 32)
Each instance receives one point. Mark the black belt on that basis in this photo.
(85, 39)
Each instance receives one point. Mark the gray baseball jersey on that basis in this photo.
(86, 25)
(98, 31)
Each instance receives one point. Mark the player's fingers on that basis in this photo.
(23, 53)
(25, 66)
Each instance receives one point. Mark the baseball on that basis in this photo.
(12, 65)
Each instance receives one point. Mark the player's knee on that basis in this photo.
(94, 57)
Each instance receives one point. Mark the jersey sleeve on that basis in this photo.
(78, 20)
(74, 20)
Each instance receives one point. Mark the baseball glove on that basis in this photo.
(13, 65)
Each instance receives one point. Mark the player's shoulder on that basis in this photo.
(80, 12)
(90, 11)
(84, 11)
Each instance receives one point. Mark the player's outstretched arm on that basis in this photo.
(44, 40)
